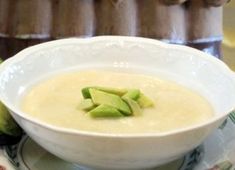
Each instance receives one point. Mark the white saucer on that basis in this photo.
(219, 147)
(32, 157)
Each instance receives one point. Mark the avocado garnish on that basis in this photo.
(112, 102)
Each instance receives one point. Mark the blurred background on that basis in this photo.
(195, 23)
(228, 45)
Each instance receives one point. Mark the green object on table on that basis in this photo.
(7, 123)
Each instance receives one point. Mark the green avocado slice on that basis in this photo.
(135, 108)
(86, 105)
(117, 91)
(132, 94)
(86, 93)
(144, 101)
(104, 110)
(100, 97)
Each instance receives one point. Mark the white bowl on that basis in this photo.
(187, 66)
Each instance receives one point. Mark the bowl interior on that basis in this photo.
(187, 66)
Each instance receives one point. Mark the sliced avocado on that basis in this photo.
(86, 93)
(135, 108)
(86, 105)
(104, 110)
(144, 101)
(100, 97)
(132, 94)
(7, 123)
(117, 91)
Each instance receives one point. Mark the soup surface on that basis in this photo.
(55, 101)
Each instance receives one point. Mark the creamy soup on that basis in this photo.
(55, 101)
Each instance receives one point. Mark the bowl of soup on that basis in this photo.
(189, 94)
